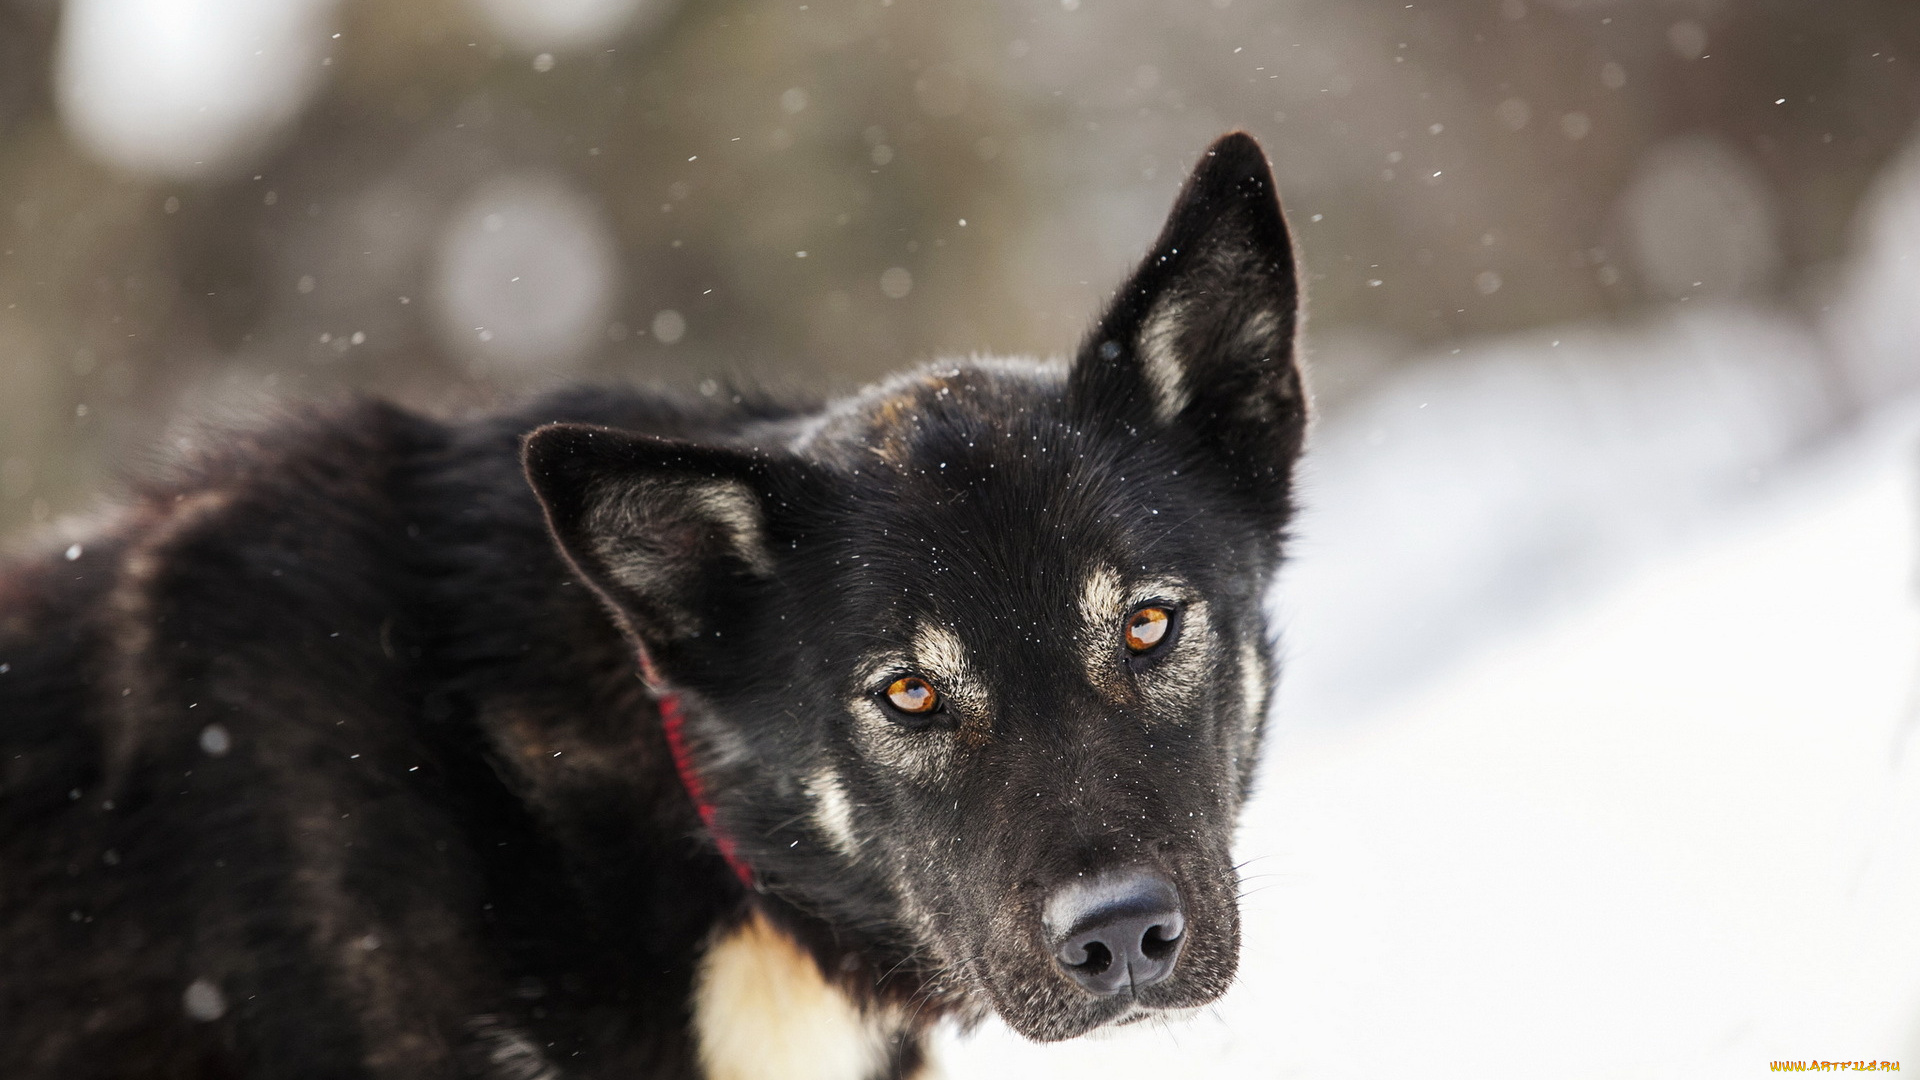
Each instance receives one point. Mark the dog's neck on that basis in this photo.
(673, 722)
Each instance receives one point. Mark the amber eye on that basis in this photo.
(1147, 628)
(912, 695)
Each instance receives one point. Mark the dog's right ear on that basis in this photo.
(1201, 338)
(672, 535)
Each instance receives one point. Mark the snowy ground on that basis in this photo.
(1673, 830)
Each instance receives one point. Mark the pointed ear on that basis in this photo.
(1202, 336)
(670, 534)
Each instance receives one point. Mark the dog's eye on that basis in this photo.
(912, 695)
(1147, 628)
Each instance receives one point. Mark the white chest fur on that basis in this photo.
(763, 1010)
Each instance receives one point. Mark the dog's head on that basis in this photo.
(975, 663)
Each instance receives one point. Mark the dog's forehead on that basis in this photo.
(985, 507)
(878, 429)
(999, 436)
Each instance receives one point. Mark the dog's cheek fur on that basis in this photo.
(1256, 692)
(832, 811)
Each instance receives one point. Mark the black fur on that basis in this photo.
(323, 759)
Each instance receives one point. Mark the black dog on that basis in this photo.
(324, 760)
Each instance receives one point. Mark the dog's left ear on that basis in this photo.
(674, 536)
(1202, 336)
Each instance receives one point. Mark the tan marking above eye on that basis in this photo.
(912, 695)
(1146, 628)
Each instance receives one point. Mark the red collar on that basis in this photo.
(674, 723)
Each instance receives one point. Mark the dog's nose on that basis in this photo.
(1116, 931)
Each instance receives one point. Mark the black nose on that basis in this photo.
(1116, 931)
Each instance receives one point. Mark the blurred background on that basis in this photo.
(442, 200)
(1590, 757)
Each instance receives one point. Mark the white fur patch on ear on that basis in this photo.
(733, 506)
(833, 811)
(1260, 332)
(762, 1010)
(653, 533)
(1160, 362)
